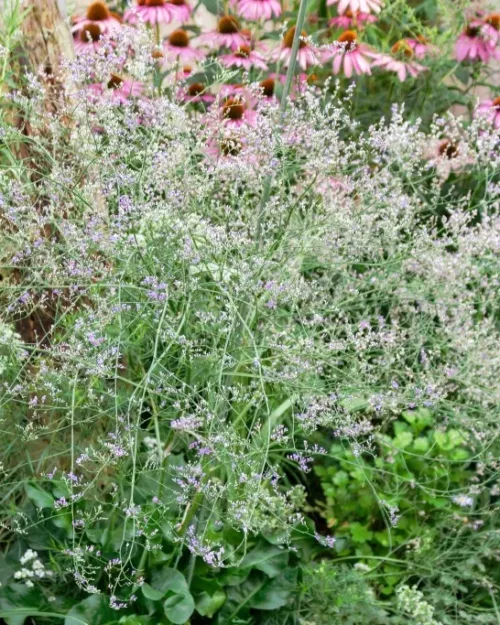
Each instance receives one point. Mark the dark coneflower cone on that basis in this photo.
(115, 82)
(448, 149)
(228, 25)
(179, 38)
(243, 52)
(90, 32)
(349, 39)
(493, 20)
(196, 89)
(290, 34)
(98, 11)
(496, 103)
(402, 48)
(267, 86)
(233, 109)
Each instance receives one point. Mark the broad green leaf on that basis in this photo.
(165, 579)
(151, 593)
(39, 497)
(178, 608)
(353, 404)
(359, 533)
(17, 602)
(208, 605)
(267, 558)
(276, 593)
(403, 440)
(421, 444)
(94, 610)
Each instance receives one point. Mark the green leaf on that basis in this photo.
(39, 497)
(178, 608)
(151, 593)
(403, 440)
(166, 579)
(94, 610)
(207, 605)
(266, 558)
(276, 593)
(421, 444)
(359, 533)
(21, 599)
(353, 404)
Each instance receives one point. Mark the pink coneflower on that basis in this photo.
(349, 55)
(474, 44)
(420, 46)
(98, 13)
(491, 110)
(243, 57)
(224, 146)
(400, 61)
(492, 26)
(196, 92)
(182, 10)
(235, 112)
(88, 38)
(177, 48)
(120, 89)
(352, 19)
(259, 9)
(228, 34)
(150, 11)
(365, 6)
(307, 54)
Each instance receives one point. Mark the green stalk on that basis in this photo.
(284, 101)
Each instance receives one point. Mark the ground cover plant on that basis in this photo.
(249, 318)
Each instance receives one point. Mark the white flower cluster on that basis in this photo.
(411, 601)
(34, 570)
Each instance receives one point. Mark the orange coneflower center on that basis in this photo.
(98, 11)
(243, 52)
(228, 25)
(267, 86)
(348, 38)
(402, 48)
(422, 39)
(179, 38)
(233, 109)
(472, 31)
(496, 103)
(493, 20)
(154, 3)
(115, 82)
(230, 147)
(90, 32)
(448, 149)
(197, 88)
(178, 3)
(290, 34)
(157, 54)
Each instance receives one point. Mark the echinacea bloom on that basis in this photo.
(420, 46)
(223, 146)
(349, 55)
(228, 34)
(475, 44)
(120, 89)
(491, 110)
(235, 112)
(243, 57)
(98, 13)
(150, 11)
(196, 92)
(181, 9)
(267, 88)
(259, 9)
(351, 19)
(365, 6)
(400, 61)
(492, 26)
(306, 56)
(88, 38)
(177, 48)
